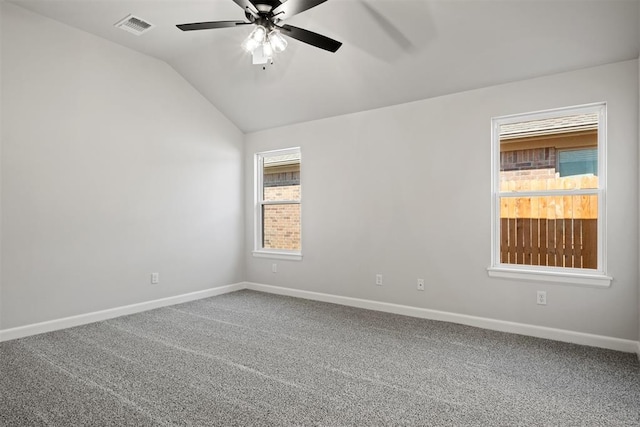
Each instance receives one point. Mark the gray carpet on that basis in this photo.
(249, 358)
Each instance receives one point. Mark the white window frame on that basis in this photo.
(577, 276)
(259, 202)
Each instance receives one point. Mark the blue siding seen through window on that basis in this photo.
(578, 162)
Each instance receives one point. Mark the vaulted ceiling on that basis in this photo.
(394, 51)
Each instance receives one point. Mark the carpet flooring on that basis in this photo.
(249, 358)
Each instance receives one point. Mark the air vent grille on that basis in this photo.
(134, 25)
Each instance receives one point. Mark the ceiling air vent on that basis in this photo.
(134, 25)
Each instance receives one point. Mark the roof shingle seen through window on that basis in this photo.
(562, 124)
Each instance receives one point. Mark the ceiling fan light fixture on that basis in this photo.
(257, 39)
(277, 42)
(267, 50)
(250, 44)
(259, 34)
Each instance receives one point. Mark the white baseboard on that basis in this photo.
(628, 346)
(96, 316)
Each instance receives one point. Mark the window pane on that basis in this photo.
(534, 154)
(281, 226)
(281, 178)
(557, 231)
(578, 162)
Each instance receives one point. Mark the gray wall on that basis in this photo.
(113, 167)
(1, 19)
(405, 191)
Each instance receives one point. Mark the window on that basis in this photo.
(277, 215)
(548, 193)
(578, 162)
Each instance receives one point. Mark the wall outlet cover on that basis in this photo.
(541, 298)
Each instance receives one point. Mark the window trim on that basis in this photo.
(259, 202)
(565, 275)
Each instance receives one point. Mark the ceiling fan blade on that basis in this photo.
(246, 5)
(293, 7)
(309, 37)
(211, 25)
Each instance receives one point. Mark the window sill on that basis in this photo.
(584, 279)
(291, 256)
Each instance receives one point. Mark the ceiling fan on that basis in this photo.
(266, 38)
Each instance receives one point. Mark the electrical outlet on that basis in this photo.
(274, 268)
(420, 284)
(379, 279)
(155, 278)
(542, 298)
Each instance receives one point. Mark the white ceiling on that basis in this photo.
(394, 51)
